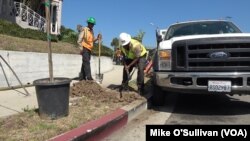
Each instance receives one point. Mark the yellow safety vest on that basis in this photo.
(131, 52)
(88, 38)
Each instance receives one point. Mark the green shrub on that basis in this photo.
(105, 51)
(13, 29)
(68, 35)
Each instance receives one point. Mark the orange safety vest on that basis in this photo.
(88, 38)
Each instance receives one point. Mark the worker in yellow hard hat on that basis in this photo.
(86, 41)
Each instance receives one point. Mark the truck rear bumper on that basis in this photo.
(197, 82)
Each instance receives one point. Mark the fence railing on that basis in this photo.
(29, 17)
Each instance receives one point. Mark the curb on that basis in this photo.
(106, 125)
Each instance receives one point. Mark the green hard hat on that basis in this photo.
(91, 20)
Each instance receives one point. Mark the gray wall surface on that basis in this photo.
(30, 66)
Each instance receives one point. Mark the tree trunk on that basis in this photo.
(47, 10)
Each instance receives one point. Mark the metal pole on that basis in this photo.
(27, 93)
(5, 75)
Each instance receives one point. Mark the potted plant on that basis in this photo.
(52, 93)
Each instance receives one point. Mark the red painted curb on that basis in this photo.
(100, 128)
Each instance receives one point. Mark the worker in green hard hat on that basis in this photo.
(86, 41)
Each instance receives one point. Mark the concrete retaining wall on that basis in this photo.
(30, 66)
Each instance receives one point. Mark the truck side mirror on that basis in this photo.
(158, 37)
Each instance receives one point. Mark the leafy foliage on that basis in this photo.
(68, 35)
(115, 43)
(105, 51)
(139, 36)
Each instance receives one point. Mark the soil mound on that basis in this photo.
(93, 90)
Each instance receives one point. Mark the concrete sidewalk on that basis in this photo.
(15, 101)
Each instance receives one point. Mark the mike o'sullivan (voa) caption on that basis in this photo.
(211, 131)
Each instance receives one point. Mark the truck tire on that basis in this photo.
(158, 97)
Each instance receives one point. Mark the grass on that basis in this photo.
(30, 45)
(91, 103)
(29, 126)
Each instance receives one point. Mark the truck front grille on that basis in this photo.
(212, 55)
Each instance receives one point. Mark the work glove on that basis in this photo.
(126, 68)
(99, 36)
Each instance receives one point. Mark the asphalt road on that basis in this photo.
(189, 109)
(211, 109)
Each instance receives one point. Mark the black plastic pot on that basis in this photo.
(53, 98)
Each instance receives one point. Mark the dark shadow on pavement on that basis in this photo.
(118, 87)
(211, 104)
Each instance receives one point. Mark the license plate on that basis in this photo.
(219, 86)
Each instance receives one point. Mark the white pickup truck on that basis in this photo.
(202, 57)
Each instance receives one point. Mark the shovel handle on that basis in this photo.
(99, 43)
(99, 47)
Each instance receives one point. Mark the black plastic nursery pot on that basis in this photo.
(53, 97)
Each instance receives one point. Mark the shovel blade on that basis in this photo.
(99, 77)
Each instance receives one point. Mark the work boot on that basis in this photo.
(141, 91)
(124, 87)
(80, 77)
(89, 78)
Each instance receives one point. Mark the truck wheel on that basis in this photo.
(158, 97)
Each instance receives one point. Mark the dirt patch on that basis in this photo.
(89, 101)
(95, 91)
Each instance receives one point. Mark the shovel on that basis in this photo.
(129, 78)
(99, 76)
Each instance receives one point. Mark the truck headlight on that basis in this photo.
(164, 59)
